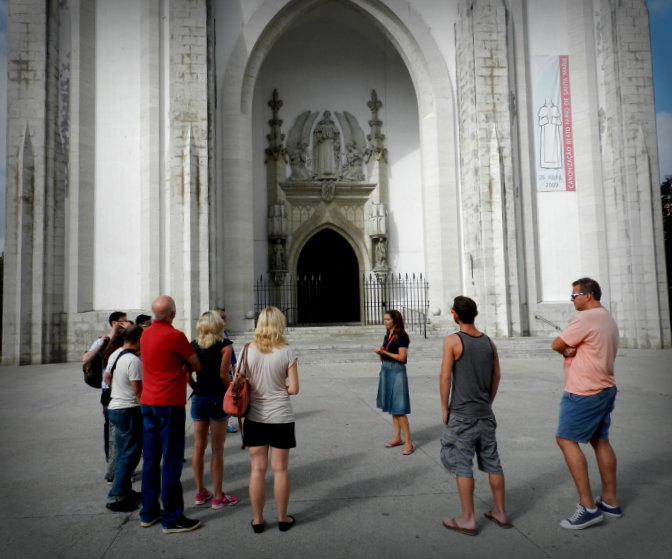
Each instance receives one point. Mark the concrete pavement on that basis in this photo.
(351, 496)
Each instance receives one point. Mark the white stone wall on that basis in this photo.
(185, 173)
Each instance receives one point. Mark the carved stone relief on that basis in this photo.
(326, 158)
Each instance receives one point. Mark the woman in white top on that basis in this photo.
(273, 376)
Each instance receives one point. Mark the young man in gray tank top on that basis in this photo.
(468, 384)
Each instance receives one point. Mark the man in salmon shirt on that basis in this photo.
(589, 345)
(167, 359)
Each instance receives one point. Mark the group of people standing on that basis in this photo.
(148, 369)
(148, 374)
(468, 383)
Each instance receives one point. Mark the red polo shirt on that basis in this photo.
(164, 350)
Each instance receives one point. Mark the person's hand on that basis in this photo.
(379, 350)
(569, 352)
(445, 413)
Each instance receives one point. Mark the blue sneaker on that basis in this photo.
(582, 518)
(608, 510)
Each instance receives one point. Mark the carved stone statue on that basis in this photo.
(279, 261)
(297, 146)
(381, 254)
(355, 145)
(326, 148)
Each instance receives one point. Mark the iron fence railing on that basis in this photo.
(294, 296)
(405, 293)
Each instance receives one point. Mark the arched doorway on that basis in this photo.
(328, 280)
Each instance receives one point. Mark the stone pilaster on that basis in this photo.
(489, 197)
(185, 206)
(637, 277)
(34, 269)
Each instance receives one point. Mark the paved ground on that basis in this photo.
(351, 497)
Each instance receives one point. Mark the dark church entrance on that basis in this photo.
(327, 280)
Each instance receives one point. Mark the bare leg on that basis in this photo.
(578, 467)
(402, 421)
(497, 488)
(259, 464)
(279, 464)
(397, 429)
(465, 487)
(218, 434)
(200, 444)
(606, 462)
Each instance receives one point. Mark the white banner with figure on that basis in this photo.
(552, 116)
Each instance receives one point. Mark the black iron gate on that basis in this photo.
(379, 293)
(407, 294)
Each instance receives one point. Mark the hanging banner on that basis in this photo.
(553, 139)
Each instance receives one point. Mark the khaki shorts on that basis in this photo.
(464, 437)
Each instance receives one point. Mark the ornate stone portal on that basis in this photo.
(336, 179)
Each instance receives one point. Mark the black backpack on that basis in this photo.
(93, 370)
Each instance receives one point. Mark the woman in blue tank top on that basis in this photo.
(393, 383)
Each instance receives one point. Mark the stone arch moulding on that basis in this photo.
(427, 77)
(434, 91)
(308, 231)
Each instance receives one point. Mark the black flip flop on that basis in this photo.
(284, 526)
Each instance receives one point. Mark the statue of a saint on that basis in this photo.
(381, 254)
(326, 148)
(279, 256)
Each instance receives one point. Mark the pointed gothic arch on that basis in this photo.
(436, 115)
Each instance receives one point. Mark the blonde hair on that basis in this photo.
(270, 330)
(210, 329)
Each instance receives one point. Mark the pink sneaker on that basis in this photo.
(225, 501)
(202, 498)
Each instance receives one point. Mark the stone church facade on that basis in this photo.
(502, 148)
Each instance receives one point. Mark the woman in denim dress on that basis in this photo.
(393, 384)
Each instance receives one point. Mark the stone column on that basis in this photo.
(33, 329)
(490, 203)
(636, 282)
(185, 199)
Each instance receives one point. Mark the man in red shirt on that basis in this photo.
(167, 359)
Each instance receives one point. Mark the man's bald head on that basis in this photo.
(164, 308)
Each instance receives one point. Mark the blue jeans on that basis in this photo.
(128, 436)
(163, 436)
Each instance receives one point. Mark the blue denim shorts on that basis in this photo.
(207, 408)
(462, 438)
(583, 418)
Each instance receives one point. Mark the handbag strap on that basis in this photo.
(241, 367)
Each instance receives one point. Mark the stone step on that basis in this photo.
(355, 344)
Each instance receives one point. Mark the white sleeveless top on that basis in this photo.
(267, 374)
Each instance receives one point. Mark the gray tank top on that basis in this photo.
(472, 372)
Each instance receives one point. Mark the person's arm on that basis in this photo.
(194, 363)
(562, 348)
(496, 373)
(445, 376)
(107, 379)
(89, 355)
(293, 378)
(136, 385)
(401, 356)
(225, 365)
